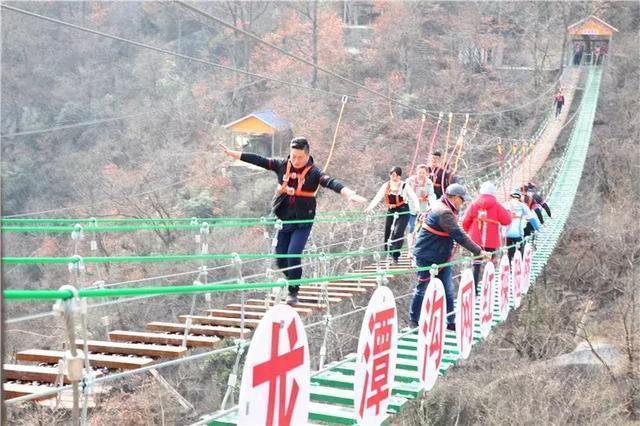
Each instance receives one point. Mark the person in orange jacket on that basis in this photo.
(482, 222)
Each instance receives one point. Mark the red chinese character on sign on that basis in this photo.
(486, 299)
(274, 371)
(435, 307)
(376, 382)
(467, 314)
(504, 289)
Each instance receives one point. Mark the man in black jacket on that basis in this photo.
(441, 176)
(295, 199)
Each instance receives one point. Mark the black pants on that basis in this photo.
(477, 266)
(393, 241)
(559, 106)
(512, 250)
(291, 240)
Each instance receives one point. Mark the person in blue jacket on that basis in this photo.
(521, 215)
(434, 245)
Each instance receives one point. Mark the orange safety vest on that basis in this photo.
(399, 200)
(295, 192)
(434, 231)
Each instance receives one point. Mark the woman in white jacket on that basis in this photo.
(401, 199)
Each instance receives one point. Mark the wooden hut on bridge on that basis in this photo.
(590, 39)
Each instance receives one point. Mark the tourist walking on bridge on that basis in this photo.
(482, 221)
(401, 202)
(534, 200)
(295, 199)
(434, 245)
(558, 101)
(520, 216)
(439, 174)
(423, 187)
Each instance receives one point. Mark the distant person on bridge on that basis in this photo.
(577, 55)
(399, 198)
(597, 55)
(423, 187)
(435, 246)
(440, 177)
(520, 216)
(558, 100)
(295, 199)
(482, 221)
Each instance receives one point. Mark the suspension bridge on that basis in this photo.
(167, 343)
(343, 272)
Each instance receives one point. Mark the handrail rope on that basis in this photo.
(335, 135)
(177, 227)
(174, 258)
(445, 153)
(434, 135)
(418, 143)
(226, 281)
(14, 294)
(462, 141)
(8, 219)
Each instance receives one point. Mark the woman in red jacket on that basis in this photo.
(482, 222)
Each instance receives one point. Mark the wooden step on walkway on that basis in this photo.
(348, 291)
(229, 313)
(206, 330)
(139, 349)
(312, 306)
(305, 297)
(221, 321)
(366, 280)
(15, 390)
(318, 293)
(164, 339)
(32, 373)
(108, 361)
(253, 307)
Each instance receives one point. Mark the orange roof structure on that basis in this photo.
(591, 26)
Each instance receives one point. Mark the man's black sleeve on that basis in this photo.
(331, 183)
(260, 161)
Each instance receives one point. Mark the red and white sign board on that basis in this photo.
(465, 314)
(486, 299)
(526, 268)
(503, 294)
(516, 278)
(275, 379)
(376, 358)
(433, 316)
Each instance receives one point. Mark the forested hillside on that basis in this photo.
(97, 127)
